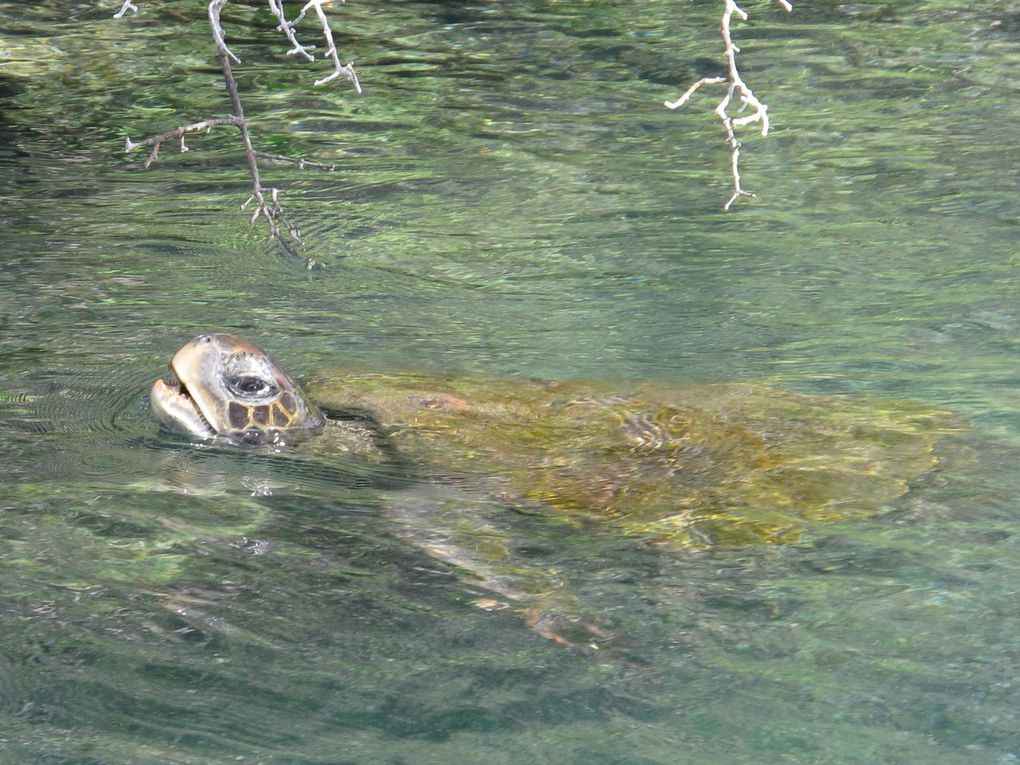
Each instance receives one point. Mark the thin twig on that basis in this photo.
(270, 207)
(156, 141)
(691, 90)
(276, 8)
(128, 6)
(265, 199)
(348, 70)
(287, 27)
(301, 162)
(735, 87)
(215, 7)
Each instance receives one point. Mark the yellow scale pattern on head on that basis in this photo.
(278, 415)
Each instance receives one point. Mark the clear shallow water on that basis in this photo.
(511, 200)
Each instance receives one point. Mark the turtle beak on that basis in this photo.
(176, 409)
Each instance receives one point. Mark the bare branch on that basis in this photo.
(273, 212)
(287, 27)
(276, 8)
(301, 162)
(128, 6)
(156, 140)
(215, 7)
(736, 87)
(348, 70)
(280, 229)
(691, 90)
(265, 199)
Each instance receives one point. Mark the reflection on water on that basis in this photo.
(511, 199)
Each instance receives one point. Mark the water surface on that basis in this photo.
(511, 199)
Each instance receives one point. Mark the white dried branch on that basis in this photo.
(156, 141)
(736, 87)
(691, 90)
(128, 6)
(265, 199)
(346, 70)
(287, 27)
(215, 7)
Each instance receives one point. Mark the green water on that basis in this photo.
(510, 198)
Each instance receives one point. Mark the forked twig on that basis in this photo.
(735, 87)
(287, 27)
(157, 140)
(265, 199)
(127, 6)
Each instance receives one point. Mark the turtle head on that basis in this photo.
(223, 387)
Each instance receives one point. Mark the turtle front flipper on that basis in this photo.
(475, 534)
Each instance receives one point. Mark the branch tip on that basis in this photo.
(266, 199)
(736, 86)
(127, 6)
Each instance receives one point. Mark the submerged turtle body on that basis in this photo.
(694, 465)
(665, 465)
(684, 465)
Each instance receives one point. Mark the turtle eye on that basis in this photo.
(250, 386)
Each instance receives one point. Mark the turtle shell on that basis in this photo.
(680, 465)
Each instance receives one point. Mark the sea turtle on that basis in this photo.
(667, 465)
(224, 388)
